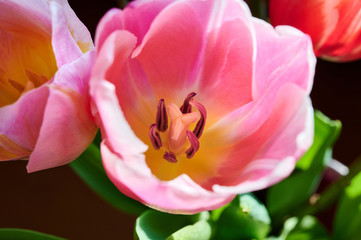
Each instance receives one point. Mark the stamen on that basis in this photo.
(155, 137)
(161, 118)
(194, 144)
(186, 108)
(170, 157)
(16, 85)
(198, 130)
(35, 78)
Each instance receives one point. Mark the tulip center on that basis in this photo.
(27, 62)
(177, 139)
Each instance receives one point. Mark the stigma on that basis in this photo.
(175, 138)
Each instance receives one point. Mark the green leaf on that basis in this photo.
(158, 225)
(347, 223)
(326, 134)
(89, 168)
(308, 228)
(23, 234)
(244, 218)
(201, 230)
(294, 191)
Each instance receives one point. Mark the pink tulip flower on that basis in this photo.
(45, 61)
(198, 101)
(334, 25)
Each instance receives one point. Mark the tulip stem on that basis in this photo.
(332, 193)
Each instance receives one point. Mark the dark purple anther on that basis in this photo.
(161, 118)
(170, 157)
(194, 144)
(198, 130)
(155, 137)
(186, 108)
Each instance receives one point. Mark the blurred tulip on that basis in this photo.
(45, 59)
(334, 25)
(198, 101)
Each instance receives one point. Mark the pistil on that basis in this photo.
(176, 136)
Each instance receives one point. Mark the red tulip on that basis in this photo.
(334, 25)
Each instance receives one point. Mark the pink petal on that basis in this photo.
(77, 29)
(66, 132)
(65, 48)
(26, 15)
(136, 18)
(133, 90)
(281, 54)
(132, 176)
(109, 23)
(257, 157)
(166, 72)
(76, 75)
(68, 126)
(22, 120)
(228, 68)
(116, 130)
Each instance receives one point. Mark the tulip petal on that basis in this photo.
(65, 48)
(21, 121)
(136, 18)
(344, 43)
(281, 54)
(116, 130)
(302, 15)
(6, 155)
(77, 29)
(25, 15)
(249, 167)
(132, 176)
(334, 26)
(228, 64)
(134, 93)
(171, 72)
(68, 127)
(109, 23)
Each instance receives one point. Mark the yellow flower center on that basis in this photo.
(27, 61)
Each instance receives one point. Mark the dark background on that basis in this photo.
(57, 202)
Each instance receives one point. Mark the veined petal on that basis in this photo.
(132, 176)
(171, 72)
(256, 157)
(64, 46)
(227, 72)
(281, 54)
(77, 29)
